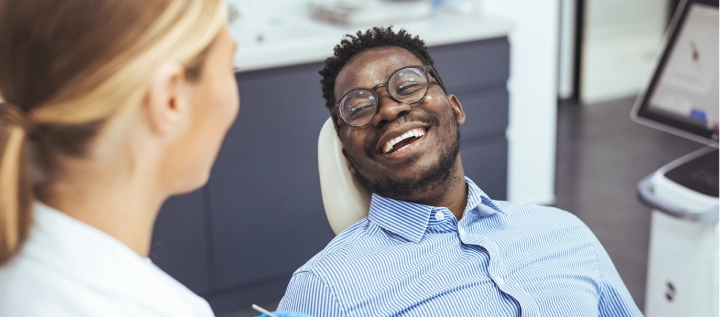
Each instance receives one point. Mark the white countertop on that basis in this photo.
(299, 40)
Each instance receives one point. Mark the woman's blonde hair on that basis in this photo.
(67, 68)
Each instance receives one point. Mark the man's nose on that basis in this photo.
(389, 109)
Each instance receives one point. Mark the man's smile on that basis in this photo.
(403, 142)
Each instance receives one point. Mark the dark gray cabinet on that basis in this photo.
(180, 244)
(472, 66)
(238, 240)
(265, 197)
(486, 112)
(485, 162)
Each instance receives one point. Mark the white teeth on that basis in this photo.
(413, 133)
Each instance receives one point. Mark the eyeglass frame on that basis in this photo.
(427, 69)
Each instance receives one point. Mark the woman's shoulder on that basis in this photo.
(38, 283)
(29, 288)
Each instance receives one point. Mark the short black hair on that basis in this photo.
(352, 45)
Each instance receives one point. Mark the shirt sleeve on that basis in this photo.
(308, 294)
(614, 298)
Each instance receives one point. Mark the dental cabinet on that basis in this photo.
(238, 240)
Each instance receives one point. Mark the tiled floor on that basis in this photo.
(601, 155)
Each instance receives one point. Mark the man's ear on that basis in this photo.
(458, 110)
(165, 103)
(349, 164)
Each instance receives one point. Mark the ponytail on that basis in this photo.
(16, 194)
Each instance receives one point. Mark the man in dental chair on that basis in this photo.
(434, 244)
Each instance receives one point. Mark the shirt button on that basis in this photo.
(462, 231)
(439, 215)
(499, 280)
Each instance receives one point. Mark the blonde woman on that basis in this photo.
(111, 107)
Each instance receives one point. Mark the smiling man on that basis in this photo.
(433, 243)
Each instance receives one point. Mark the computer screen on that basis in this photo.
(683, 94)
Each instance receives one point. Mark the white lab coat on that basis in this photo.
(68, 268)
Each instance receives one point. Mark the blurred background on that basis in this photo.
(548, 86)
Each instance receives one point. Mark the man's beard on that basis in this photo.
(438, 177)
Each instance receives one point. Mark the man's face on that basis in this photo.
(418, 166)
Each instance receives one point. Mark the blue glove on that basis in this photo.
(286, 314)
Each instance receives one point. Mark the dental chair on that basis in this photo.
(345, 199)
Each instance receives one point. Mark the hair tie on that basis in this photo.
(17, 116)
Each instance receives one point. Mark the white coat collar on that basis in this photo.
(92, 257)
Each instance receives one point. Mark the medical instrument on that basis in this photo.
(263, 311)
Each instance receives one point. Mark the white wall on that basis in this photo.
(533, 96)
(621, 41)
(567, 35)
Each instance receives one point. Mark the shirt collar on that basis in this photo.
(410, 220)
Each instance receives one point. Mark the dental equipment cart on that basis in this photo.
(682, 97)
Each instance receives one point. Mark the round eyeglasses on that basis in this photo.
(408, 85)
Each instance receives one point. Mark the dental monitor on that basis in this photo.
(682, 97)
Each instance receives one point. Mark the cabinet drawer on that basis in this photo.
(485, 162)
(473, 65)
(179, 244)
(487, 113)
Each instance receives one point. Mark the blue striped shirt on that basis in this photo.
(500, 259)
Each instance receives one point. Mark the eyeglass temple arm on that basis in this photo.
(438, 78)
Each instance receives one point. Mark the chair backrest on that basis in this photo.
(345, 199)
